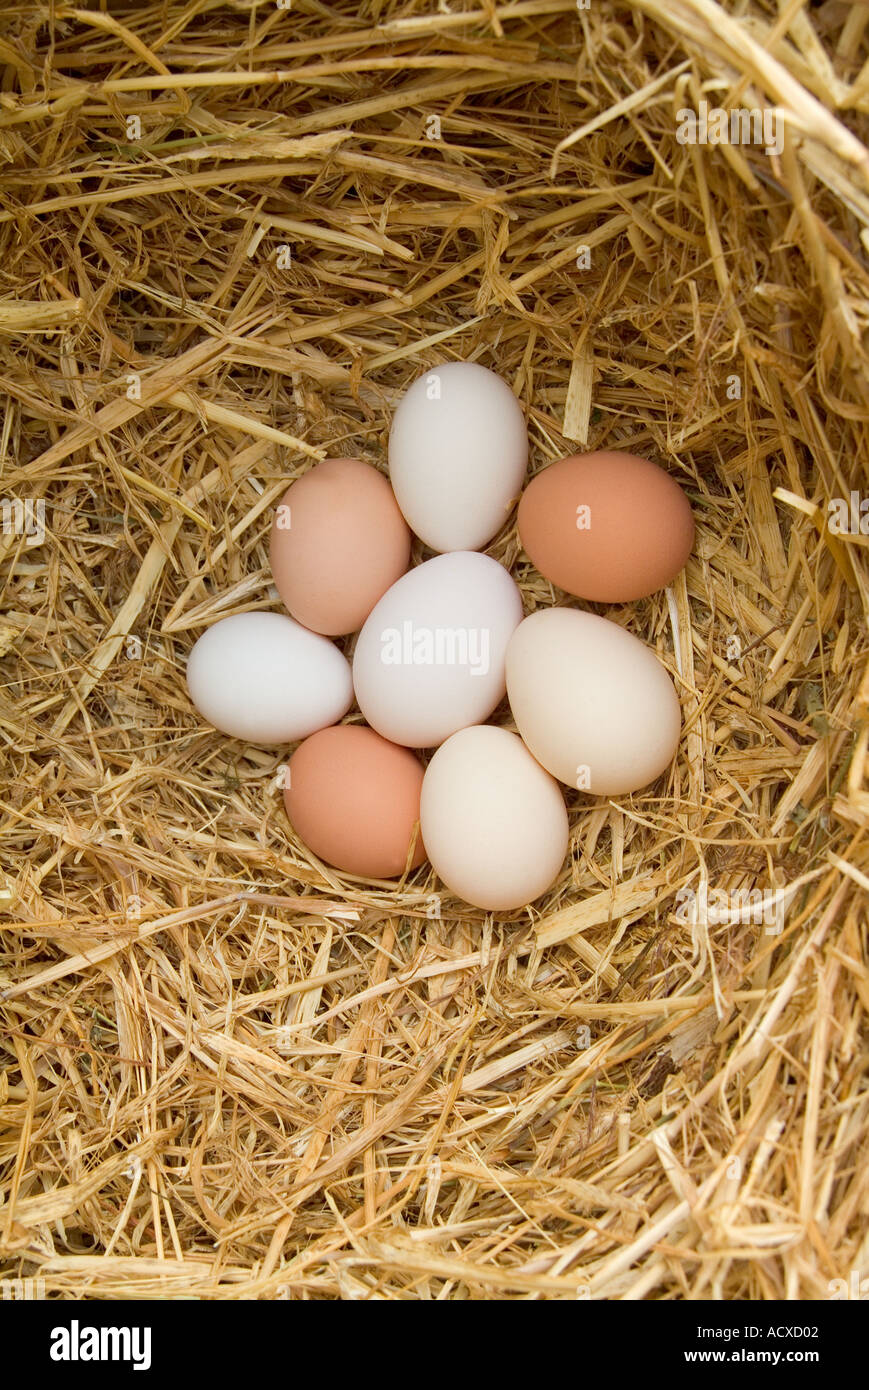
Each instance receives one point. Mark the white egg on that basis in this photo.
(592, 702)
(430, 657)
(493, 822)
(265, 678)
(458, 451)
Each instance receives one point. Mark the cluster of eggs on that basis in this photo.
(441, 643)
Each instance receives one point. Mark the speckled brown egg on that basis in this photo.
(353, 798)
(607, 527)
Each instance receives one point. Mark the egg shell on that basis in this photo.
(353, 798)
(338, 542)
(607, 527)
(592, 702)
(264, 678)
(430, 657)
(458, 451)
(494, 823)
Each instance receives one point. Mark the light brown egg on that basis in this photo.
(607, 527)
(338, 543)
(353, 798)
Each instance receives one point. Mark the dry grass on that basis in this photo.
(229, 1072)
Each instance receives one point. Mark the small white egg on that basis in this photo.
(265, 678)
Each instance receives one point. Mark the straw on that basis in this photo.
(231, 238)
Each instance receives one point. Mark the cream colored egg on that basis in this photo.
(493, 822)
(592, 702)
(458, 451)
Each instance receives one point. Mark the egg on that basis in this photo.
(265, 678)
(458, 451)
(338, 542)
(592, 702)
(430, 657)
(607, 527)
(353, 798)
(494, 823)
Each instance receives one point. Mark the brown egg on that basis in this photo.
(607, 527)
(353, 798)
(338, 543)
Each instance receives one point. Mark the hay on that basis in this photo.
(228, 1071)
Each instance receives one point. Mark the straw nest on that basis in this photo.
(230, 236)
